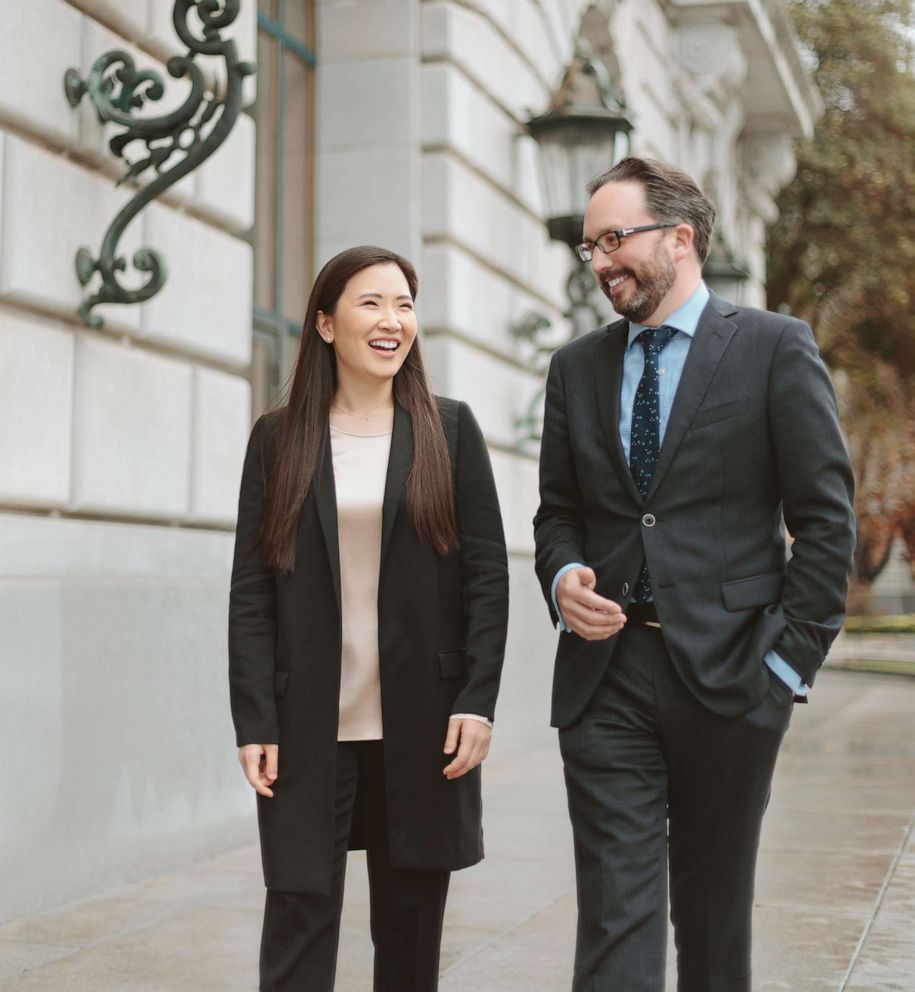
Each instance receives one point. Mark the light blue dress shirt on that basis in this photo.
(685, 319)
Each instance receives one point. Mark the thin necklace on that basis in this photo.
(385, 406)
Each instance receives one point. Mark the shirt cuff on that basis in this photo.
(562, 571)
(471, 716)
(786, 673)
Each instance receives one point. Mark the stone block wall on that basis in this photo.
(120, 454)
(121, 448)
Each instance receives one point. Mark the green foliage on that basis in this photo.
(842, 253)
(846, 234)
(904, 623)
(879, 666)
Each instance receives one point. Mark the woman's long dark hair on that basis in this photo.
(300, 449)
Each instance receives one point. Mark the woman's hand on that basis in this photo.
(474, 738)
(259, 762)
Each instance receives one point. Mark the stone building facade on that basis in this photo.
(397, 122)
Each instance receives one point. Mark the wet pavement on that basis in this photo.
(835, 906)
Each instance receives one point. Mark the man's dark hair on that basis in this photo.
(672, 197)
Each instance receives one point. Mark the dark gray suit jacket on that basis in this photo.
(753, 436)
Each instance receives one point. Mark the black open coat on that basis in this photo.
(441, 630)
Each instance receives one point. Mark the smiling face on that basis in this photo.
(640, 277)
(372, 327)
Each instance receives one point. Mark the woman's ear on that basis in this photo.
(325, 326)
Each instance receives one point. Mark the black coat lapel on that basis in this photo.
(712, 337)
(326, 502)
(399, 462)
(608, 379)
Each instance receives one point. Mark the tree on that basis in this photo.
(842, 254)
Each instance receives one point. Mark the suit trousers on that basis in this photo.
(301, 930)
(653, 775)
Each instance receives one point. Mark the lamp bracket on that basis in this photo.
(170, 146)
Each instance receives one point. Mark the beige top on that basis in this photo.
(360, 469)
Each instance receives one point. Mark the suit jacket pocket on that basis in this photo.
(720, 411)
(753, 591)
(452, 664)
(280, 678)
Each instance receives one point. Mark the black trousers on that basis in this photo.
(652, 775)
(301, 931)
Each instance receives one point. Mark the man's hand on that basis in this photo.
(259, 762)
(474, 738)
(584, 612)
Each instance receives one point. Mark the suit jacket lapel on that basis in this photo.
(709, 343)
(608, 378)
(326, 502)
(399, 462)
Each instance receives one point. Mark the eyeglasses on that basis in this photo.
(611, 240)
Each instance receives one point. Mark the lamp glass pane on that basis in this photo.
(555, 168)
(572, 153)
(590, 160)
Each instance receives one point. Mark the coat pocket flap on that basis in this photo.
(720, 411)
(753, 591)
(280, 678)
(452, 664)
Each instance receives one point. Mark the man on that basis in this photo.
(674, 442)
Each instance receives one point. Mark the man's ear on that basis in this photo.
(684, 239)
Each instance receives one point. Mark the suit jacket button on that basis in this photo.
(649, 520)
(625, 588)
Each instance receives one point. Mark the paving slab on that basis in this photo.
(195, 950)
(17, 956)
(835, 900)
(802, 949)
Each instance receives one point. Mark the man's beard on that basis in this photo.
(653, 281)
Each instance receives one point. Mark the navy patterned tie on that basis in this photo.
(645, 441)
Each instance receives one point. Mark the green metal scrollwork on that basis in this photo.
(537, 329)
(117, 89)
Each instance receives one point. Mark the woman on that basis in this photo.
(367, 624)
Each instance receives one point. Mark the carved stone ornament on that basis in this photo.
(710, 52)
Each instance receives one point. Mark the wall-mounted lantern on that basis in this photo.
(584, 131)
(171, 146)
(723, 273)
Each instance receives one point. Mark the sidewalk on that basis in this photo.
(835, 895)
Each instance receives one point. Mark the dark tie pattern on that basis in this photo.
(645, 440)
